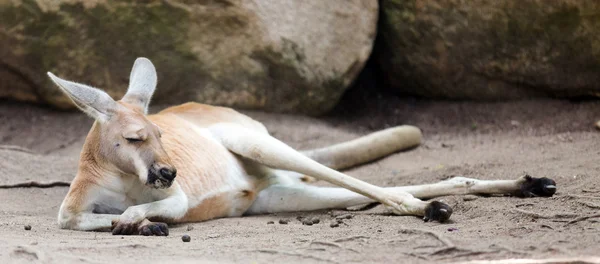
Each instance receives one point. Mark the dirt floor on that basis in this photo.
(556, 139)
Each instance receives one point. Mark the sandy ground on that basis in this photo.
(548, 138)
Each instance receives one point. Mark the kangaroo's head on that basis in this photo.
(123, 139)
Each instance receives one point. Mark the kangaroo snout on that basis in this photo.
(161, 176)
(168, 173)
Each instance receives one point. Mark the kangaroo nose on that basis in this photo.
(168, 174)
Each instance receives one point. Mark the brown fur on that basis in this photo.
(205, 115)
(200, 171)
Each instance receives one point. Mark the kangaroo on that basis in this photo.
(195, 162)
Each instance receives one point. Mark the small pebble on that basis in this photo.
(444, 145)
(334, 224)
(345, 216)
(27, 227)
(307, 222)
(452, 229)
(270, 223)
(283, 221)
(190, 228)
(186, 238)
(300, 218)
(316, 220)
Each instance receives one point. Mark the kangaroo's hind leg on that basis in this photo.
(266, 150)
(301, 197)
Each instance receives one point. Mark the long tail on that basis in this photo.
(367, 148)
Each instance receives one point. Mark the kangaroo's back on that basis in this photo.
(203, 115)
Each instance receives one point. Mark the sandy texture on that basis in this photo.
(483, 140)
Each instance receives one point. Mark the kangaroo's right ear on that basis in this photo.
(92, 101)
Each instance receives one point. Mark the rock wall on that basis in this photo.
(282, 56)
(481, 50)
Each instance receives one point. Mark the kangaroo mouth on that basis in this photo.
(155, 180)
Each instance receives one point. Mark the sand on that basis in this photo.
(555, 139)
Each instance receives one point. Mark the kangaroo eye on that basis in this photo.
(134, 140)
(159, 131)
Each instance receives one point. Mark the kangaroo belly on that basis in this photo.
(222, 204)
(226, 192)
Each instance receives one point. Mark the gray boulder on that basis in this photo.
(283, 56)
(484, 50)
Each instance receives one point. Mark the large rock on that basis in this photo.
(466, 49)
(284, 55)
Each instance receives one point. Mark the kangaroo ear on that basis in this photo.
(92, 101)
(142, 83)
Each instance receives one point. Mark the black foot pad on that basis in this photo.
(437, 211)
(537, 187)
(146, 229)
(154, 229)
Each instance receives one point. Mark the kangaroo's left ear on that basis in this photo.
(142, 83)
